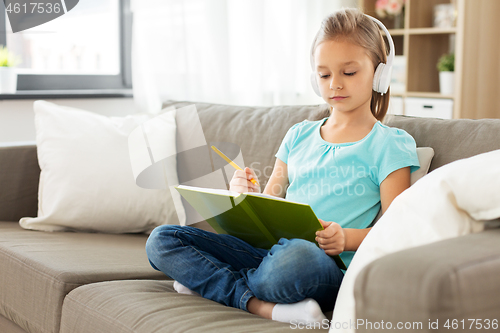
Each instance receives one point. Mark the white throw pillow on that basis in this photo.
(451, 201)
(86, 179)
(425, 155)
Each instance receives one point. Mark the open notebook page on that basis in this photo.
(234, 194)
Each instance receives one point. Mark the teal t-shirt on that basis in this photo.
(341, 181)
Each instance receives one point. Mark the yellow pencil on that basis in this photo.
(232, 163)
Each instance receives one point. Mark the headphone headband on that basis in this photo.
(390, 57)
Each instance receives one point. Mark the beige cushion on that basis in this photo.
(19, 177)
(451, 139)
(7, 326)
(259, 132)
(154, 306)
(38, 269)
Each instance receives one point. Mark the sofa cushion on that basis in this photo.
(38, 269)
(9, 326)
(19, 177)
(259, 131)
(451, 139)
(154, 306)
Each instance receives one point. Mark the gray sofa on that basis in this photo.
(88, 282)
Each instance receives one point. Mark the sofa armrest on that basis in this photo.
(19, 177)
(452, 279)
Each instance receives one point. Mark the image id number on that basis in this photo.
(471, 324)
(34, 7)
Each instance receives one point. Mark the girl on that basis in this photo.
(346, 166)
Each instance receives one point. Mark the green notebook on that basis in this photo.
(256, 218)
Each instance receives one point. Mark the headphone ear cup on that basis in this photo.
(314, 83)
(377, 76)
(385, 79)
(382, 78)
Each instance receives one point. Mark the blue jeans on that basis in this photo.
(228, 270)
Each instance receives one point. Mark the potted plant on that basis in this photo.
(8, 76)
(446, 68)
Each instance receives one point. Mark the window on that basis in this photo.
(86, 48)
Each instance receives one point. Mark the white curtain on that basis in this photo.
(239, 52)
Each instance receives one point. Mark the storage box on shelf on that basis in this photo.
(429, 107)
(473, 40)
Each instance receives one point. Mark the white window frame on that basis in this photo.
(31, 84)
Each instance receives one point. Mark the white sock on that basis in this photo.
(306, 311)
(184, 290)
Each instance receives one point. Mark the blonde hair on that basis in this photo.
(352, 25)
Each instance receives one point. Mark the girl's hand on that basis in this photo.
(241, 181)
(332, 239)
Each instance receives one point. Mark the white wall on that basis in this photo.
(17, 116)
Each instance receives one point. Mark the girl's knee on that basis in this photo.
(294, 269)
(299, 251)
(299, 259)
(290, 259)
(302, 246)
(160, 239)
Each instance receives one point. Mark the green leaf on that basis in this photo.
(446, 63)
(7, 58)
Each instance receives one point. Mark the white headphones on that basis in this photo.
(382, 77)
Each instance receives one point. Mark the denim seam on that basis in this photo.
(301, 292)
(229, 247)
(244, 299)
(225, 268)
